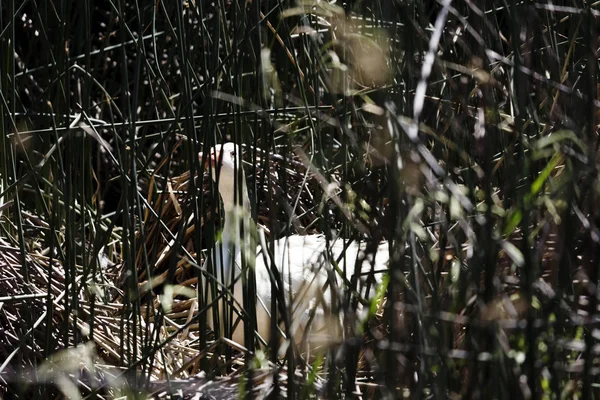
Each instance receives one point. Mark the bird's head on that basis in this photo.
(226, 159)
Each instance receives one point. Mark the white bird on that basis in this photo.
(300, 259)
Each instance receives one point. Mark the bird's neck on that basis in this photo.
(227, 252)
(236, 213)
(229, 189)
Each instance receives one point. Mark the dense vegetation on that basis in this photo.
(463, 133)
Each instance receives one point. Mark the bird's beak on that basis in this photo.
(210, 159)
(200, 155)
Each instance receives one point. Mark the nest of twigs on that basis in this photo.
(37, 298)
(34, 288)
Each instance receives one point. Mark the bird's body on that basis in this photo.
(303, 261)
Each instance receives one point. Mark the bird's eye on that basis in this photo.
(232, 154)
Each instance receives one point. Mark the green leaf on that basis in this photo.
(537, 185)
(514, 218)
